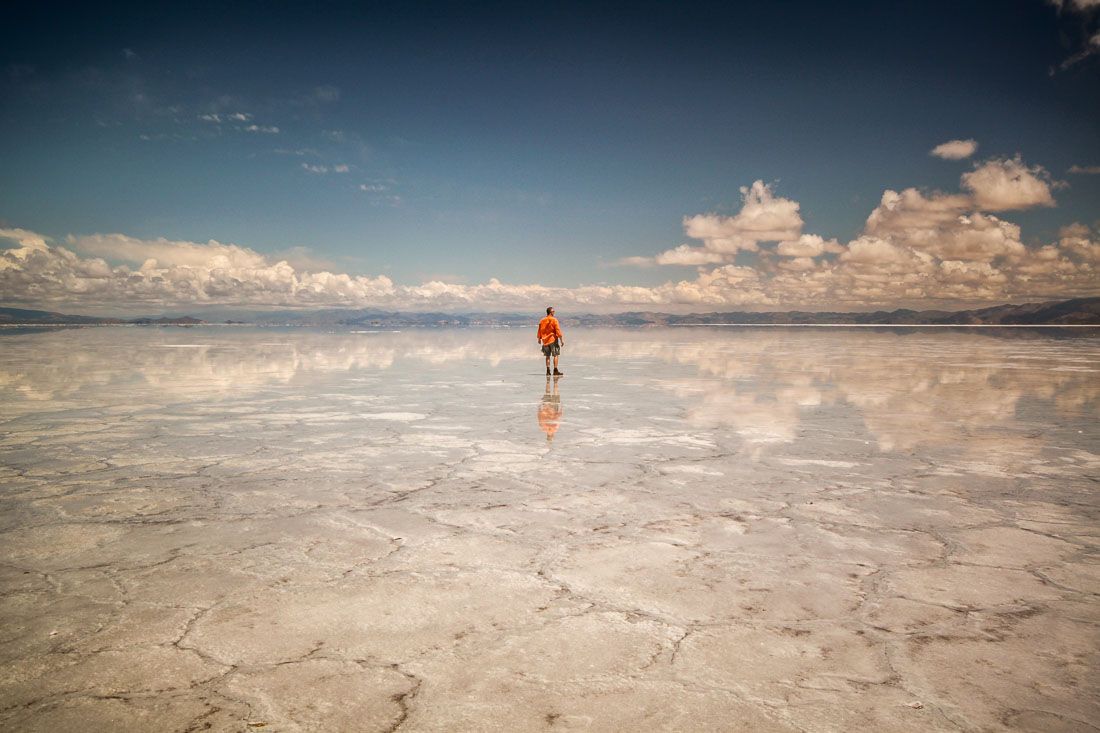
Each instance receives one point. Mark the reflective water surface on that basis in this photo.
(821, 528)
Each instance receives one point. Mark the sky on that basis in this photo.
(598, 157)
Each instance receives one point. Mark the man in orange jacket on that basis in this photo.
(551, 340)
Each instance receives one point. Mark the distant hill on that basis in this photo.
(1079, 311)
(163, 321)
(1076, 312)
(21, 316)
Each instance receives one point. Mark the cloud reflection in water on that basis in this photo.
(766, 385)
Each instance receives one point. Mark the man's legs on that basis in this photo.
(548, 364)
(555, 364)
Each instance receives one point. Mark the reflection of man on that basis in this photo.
(550, 410)
(551, 339)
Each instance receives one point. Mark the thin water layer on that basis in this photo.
(693, 529)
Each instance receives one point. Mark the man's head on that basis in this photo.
(550, 311)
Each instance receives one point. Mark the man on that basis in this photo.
(551, 340)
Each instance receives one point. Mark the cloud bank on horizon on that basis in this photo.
(917, 246)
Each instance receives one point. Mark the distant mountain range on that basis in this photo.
(1079, 311)
(23, 317)
(1076, 312)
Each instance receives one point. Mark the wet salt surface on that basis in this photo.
(695, 529)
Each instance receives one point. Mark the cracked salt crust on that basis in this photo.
(786, 530)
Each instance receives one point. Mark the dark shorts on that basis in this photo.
(551, 349)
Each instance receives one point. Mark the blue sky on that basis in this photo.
(605, 157)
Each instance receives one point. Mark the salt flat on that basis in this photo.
(694, 529)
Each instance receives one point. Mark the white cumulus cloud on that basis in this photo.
(808, 245)
(927, 246)
(685, 254)
(764, 217)
(170, 274)
(165, 253)
(936, 224)
(1077, 238)
(955, 149)
(1008, 184)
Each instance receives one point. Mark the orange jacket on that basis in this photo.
(549, 418)
(549, 330)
